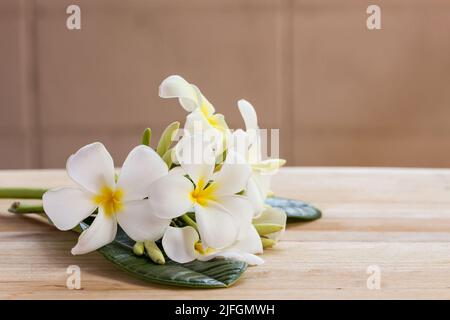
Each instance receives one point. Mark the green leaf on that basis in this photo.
(296, 210)
(217, 273)
(166, 138)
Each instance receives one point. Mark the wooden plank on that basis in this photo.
(397, 219)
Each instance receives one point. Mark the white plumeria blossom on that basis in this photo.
(258, 185)
(202, 116)
(223, 217)
(123, 202)
(272, 215)
(183, 245)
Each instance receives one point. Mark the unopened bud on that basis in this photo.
(167, 137)
(267, 243)
(138, 248)
(154, 252)
(168, 156)
(267, 228)
(146, 137)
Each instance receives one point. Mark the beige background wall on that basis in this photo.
(341, 94)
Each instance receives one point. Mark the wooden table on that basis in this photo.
(397, 220)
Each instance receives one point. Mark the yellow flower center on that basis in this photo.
(214, 120)
(202, 195)
(205, 110)
(110, 200)
(202, 250)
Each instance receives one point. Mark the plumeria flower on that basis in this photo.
(123, 202)
(262, 170)
(183, 245)
(222, 216)
(202, 116)
(193, 101)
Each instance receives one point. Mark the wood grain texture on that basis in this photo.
(342, 95)
(397, 219)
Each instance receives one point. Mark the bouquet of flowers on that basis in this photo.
(195, 211)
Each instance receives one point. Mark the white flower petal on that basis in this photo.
(213, 128)
(196, 157)
(178, 171)
(141, 167)
(251, 259)
(251, 124)
(263, 181)
(269, 166)
(248, 113)
(243, 250)
(101, 232)
(170, 196)
(254, 151)
(92, 167)
(139, 221)
(216, 136)
(239, 142)
(178, 244)
(233, 176)
(218, 229)
(255, 196)
(218, 121)
(272, 215)
(241, 209)
(176, 87)
(67, 207)
(205, 106)
(251, 242)
(196, 122)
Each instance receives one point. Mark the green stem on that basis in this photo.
(18, 207)
(186, 219)
(21, 193)
(24, 208)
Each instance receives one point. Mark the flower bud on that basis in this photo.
(267, 228)
(138, 248)
(167, 137)
(147, 137)
(168, 156)
(268, 243)
(154, 252)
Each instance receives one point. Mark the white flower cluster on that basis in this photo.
(205, 200)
